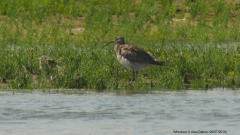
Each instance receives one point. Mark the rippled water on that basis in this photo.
(75, 112)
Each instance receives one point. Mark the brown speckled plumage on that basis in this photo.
(133, 57)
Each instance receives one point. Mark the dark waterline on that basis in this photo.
(67, 112)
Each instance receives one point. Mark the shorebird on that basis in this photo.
(133, 57)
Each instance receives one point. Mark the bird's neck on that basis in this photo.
(117, 47)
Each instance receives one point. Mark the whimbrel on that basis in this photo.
(133, 57)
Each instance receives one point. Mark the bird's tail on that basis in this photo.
(159, 62)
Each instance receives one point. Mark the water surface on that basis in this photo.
(76, 112)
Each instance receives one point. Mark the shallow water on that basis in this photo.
(76, 112)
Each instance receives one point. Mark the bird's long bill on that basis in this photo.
(108, 43)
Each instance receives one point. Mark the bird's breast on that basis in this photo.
(130, 64)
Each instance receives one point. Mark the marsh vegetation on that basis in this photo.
(58, 43)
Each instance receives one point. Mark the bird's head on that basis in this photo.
(118, 40)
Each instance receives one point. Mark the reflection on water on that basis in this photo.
(67, 112)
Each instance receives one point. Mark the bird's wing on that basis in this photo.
(136, 54)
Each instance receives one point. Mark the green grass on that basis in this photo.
(198, 40)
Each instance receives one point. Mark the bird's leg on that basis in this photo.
(116, 73)
(133, 75)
